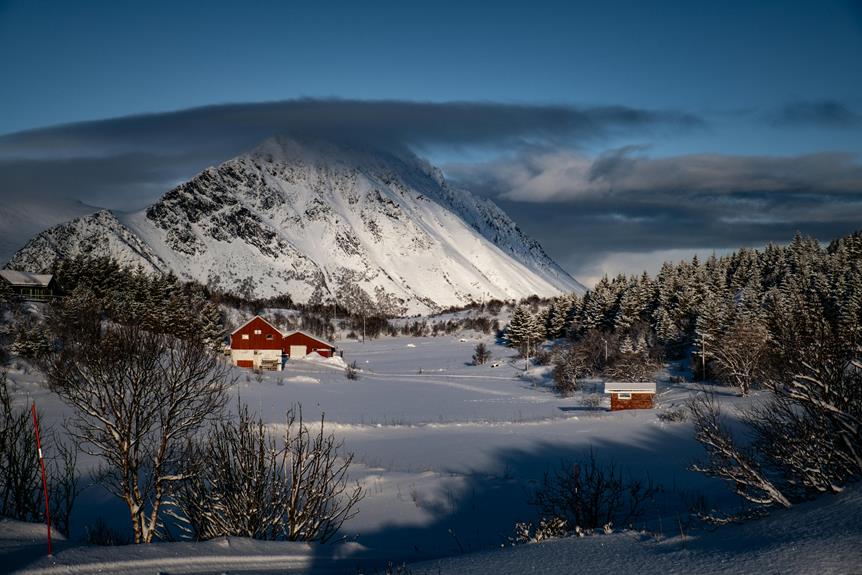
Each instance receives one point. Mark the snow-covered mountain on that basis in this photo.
(21, 219)
(301, 218)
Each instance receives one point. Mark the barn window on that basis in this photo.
(257, 332)
(624, 396)
(245, 336)
(269, 336)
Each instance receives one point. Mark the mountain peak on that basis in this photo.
(304, 216)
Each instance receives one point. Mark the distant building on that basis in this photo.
(257, 344)
(28, 286)
(631, 395)
(298, 344)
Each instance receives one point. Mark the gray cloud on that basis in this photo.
(130, 161)
(622, 207)
(233, 128)
(540, 175)
(821, 113)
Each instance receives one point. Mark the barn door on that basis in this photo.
(297, 351)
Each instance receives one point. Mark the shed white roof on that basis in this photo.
(630, 387)
(17, 278)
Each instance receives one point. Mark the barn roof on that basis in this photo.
(630, 387)
(251, 320)
(18, 278)
(284, 335)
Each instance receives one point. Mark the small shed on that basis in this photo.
(29, 286)
(298, 344)
(256, 344)
(631, 395)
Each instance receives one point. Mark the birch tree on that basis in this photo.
(137, 397)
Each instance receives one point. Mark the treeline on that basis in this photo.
(711, 311)
(785, 319)
(153, 302)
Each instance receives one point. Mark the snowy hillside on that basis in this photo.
(448, 454)
(20, 220)
(301, 218)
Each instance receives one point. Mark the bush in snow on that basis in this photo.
(351, 371)
(99, 533)
(806, 434)
(569, 366)
(21, 493)
(592, 401)
(588, 495)
(251, 486)
(481, 354)
(677, 415)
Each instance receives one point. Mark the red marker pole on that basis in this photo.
(44, 481)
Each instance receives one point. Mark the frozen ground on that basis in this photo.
(448, 454)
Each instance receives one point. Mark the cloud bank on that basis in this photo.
(596, 213)
(128, 162)
(588, 209)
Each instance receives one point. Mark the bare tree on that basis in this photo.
(137, 397)
(632, 367)
(252, 488)
(570, 364)
(728, 460)
(827, 396)
(741, 352)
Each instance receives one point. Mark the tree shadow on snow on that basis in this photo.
(482, 511)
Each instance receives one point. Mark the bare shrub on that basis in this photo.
(677, 415)
(590, 495)
(543, 357)
(728, 460)
(592, 401)
(250, 487)
(21, 492)
(351, 371)
(632, 367)
(99, 533)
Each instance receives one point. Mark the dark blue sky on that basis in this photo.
(777, 79)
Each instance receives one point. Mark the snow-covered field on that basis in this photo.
(448, 454)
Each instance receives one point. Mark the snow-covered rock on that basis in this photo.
(299, 218)
(21, 219)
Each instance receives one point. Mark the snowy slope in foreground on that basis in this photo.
(823, 537)
(300, 218)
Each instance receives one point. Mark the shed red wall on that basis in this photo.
(637, 401)
(310, 344)
(256, 341)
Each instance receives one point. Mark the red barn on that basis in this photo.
(298, 344)
(256, 344)
(631, 395)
